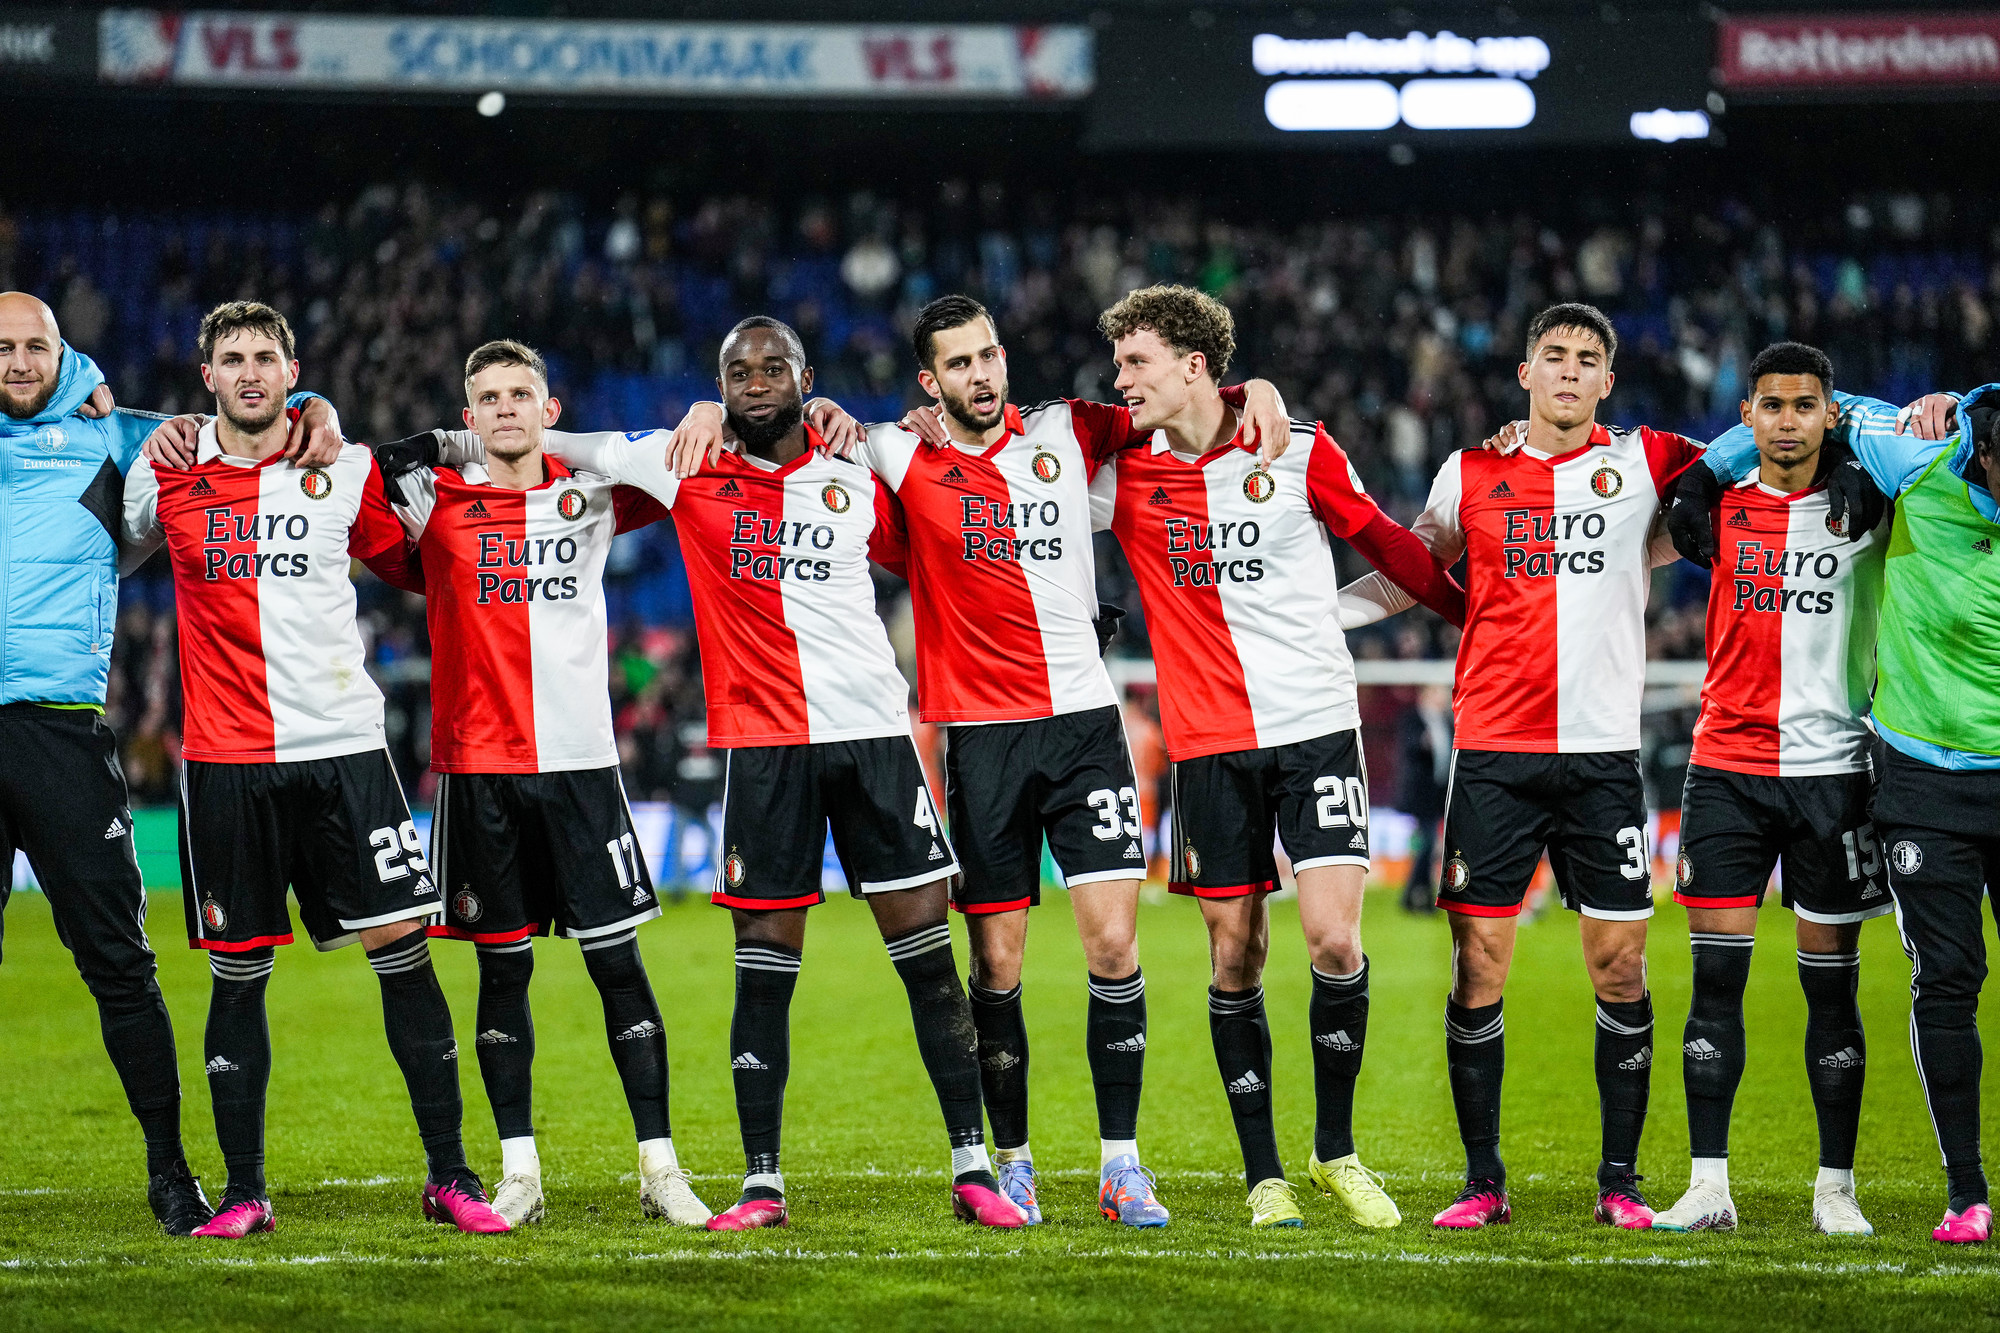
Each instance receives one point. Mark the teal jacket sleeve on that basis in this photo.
(1868, 425)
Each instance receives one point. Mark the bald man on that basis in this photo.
(63, 457)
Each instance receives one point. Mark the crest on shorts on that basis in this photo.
(733, 869)
(213, 916)
(1457, 874)
(1191, 859)
(834, 496)
(1907, 857)
(1606, 481)
(1259, 485)
(315, 483)
(465, 905)
(1046, 465)
(1684, 869)
(571, 505)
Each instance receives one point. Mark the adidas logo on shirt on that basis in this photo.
(1740, 519)
(221, 1065)
(1643, 1060)
(477, 509)
(1132, 1045)
(492, 1037)
(953, 474)
(1701, 1048)
(1501, 492)
(201, 487)
(1337, 1041)
(643, 1029)
(1984, 546)
(1159, 496)
(1845, 1058)
(1247, 1082)
(748, 1060)
(117, 829)
(729, 488)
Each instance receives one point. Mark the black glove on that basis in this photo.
(1691, 517)
(399, 458)
(1855, 504)
(1106, 625)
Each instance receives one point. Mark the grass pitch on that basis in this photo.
(872, 1245)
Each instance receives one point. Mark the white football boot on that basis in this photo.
(518, 1198)
(1705, 1207)
(1837, 1212)
(669, 1193)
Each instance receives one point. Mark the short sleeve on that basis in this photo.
(376, 527)
(635, 509)
(1333, 488)
(1102, 429)
(889, 540)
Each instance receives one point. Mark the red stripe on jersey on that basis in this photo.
(211, 515)
(968, 592)
(1162, 520)
(1506, 686)
(1742, 693)
(481, 720)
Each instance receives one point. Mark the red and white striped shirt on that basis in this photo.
(792, 650)
(272, 666)
(514, 582)
(1558, 552)
(1002, 578)
(1791, 637)
(1233, 561)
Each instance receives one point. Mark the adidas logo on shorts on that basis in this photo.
(1246, 1082)
(1337, 1041)
(1132, 1045)
(748, 1060)
(221, 1065)
(1643, 1060)
(492, 1037)
(1701, 1048)
(1359, 841)
(643, 1029)
(1845, 1058)
(117, 829)
(937, 852)
(639, 896)
(1132, 852)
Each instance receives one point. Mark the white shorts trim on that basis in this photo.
(1600, 914)
(1843, 918)
(434, 908)
(913, 881)
(1101, 876)
(628, 923)
(1316, 862)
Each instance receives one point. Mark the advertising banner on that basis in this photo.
(1808, 52)
(47, 45)
(220, 49)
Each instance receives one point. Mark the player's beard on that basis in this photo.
(764, 434)
(970, 417)
(20, 411)
(251, 425)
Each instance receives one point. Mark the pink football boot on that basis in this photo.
(454, 1205)
(749, 1214)
(247, 1216)
(1480, 1203)
(1971, 1227)
(976, 1203)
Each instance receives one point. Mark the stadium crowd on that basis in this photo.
(1401, 333)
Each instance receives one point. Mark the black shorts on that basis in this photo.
(1230, 808)
(1588, 810)
(522, 854)
(778, 802)
(1735, 826)
(1069, 777)
(336, 831)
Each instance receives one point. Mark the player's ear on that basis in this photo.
(1610, 378)
(467, 414)
(291, 374)
(208, 376)
(1521, 374)
(1743, 410)
(551, 409)
(928, 383)
(806, 382)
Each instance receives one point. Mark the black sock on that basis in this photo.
(1712, 1042)
(636, 1031)
(1836, 1051)
(760, 1045)
(506, 1040)
(1003, 1061)
(1339, 1019)
(139, 1037)
(1965, 1183)
(1624, 1079)
(418, 1022)
(1475, 1055)
(945, 1036)
(1242, 1037)
(1116, 1033)
(237, 1048)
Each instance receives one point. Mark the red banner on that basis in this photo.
(1858, 51)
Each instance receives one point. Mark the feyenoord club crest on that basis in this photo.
(1258, 486)
(54, 439)
(1606, 481)
(1192, 860)
(315, 483)
(465, 905)
(1907, 857)
(213, 916)
(1457, 874)
(733, 869)
(571, 505)
(1836, 526)
(834, 497)
(1047, 466)
(1684, 870)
